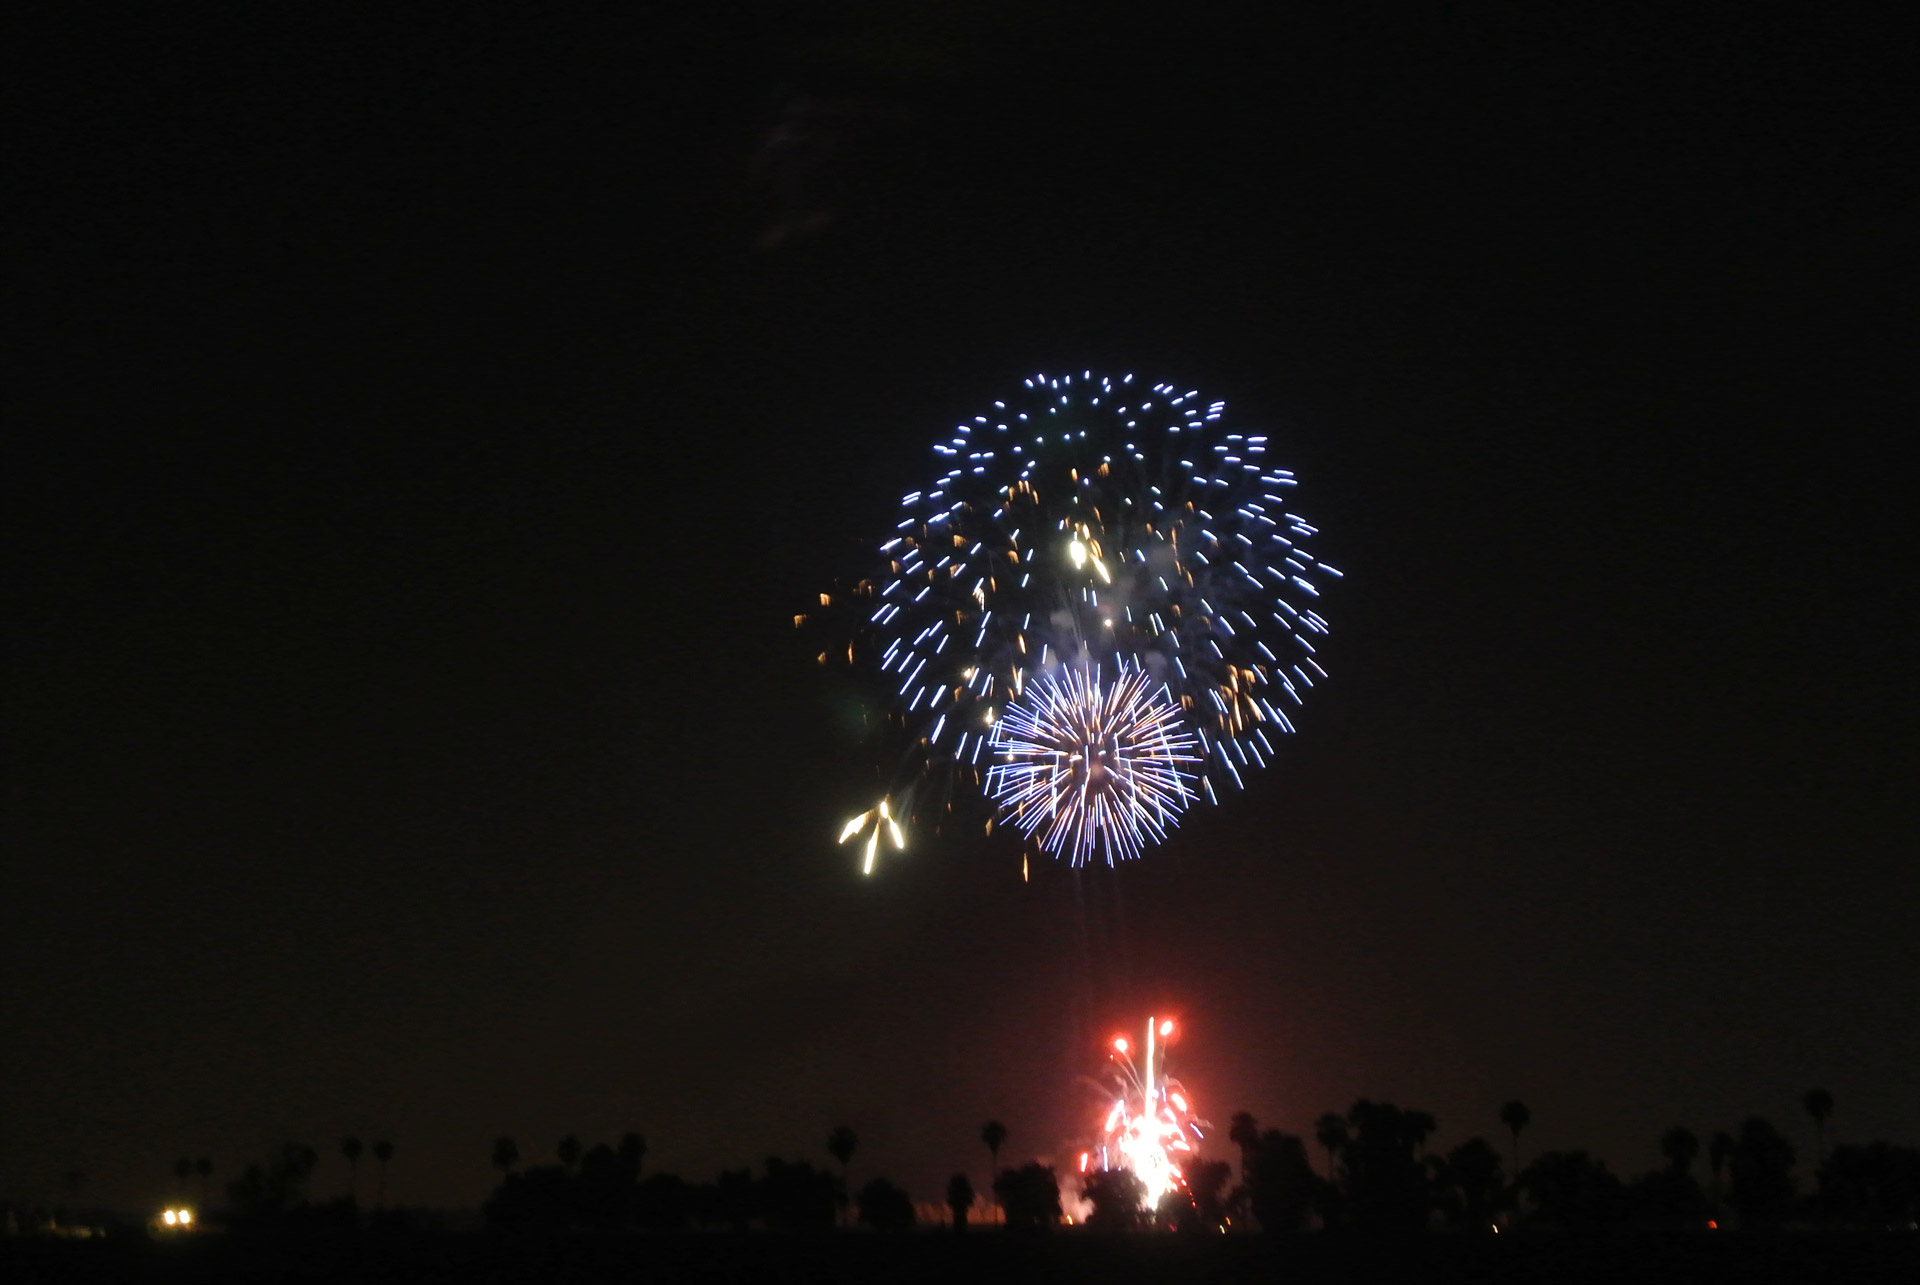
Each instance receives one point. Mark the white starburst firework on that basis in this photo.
(1092, 766)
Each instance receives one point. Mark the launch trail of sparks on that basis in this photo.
(1097, 557)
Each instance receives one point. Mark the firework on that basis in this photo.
(1098, 560)
(1084, 762)
(876, 819)
(1147, 1129)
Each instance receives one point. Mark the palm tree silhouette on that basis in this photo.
(1516, 1117)
(1819, 1105)
(841, 1143)
(350, 1148)
(383, 1152)
(506, 1154)
(1330, 1131)
(203, 1167)
(993, 1133)
(1243, 1131)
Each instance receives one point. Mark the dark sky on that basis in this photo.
(420, 430)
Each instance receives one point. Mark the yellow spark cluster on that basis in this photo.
(882, 818)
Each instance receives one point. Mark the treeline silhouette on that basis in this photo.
(1367, 1170)
(602, 1189)
(1377, 1176)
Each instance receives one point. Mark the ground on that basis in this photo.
(1062, 1256)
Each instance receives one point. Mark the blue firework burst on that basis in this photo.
(1088, 522)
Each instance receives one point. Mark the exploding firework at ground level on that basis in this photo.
(1149, 1129)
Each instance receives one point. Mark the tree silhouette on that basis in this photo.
(203, 1167)
(1330, 1131)
(1875, 1186)
(1471, 1183)
(1680, 1148)
(1670, 1197)
(182, 1171)
(794, 1197)
(841, 1144)
(1117, 1197)
(1573, 1191)
(383, 1152)
(542, 1196)
(1207, 1184)
(1030, 1195)
(603, 1189)
(1516, 1117)
(885, 1207)
(1719, 1152)
(263, 1193)
(1280, 1183)
(1762, 1185)
(993, 1133)
(664, 1202)
(605, 1192)
(569, 1150)
(734, 1198)
(1386, 1183)
(960, 1199)
(350, 1148)
(1243, 1131)
(1819, 1105)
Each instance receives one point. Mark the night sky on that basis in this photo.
(420, 430)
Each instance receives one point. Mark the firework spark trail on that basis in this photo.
(881, 818)
(1092, 517)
